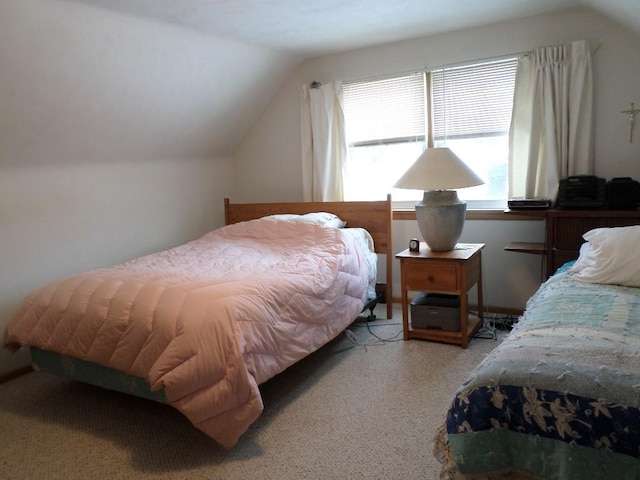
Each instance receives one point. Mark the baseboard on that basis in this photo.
(15, 373)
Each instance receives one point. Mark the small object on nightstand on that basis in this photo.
(414, 245)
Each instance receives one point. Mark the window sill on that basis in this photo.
(501, 215)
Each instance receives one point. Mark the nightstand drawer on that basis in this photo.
(432, 278)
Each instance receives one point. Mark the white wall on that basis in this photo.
(273, 146)
(116, 137)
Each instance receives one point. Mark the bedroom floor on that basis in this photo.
(366, 410)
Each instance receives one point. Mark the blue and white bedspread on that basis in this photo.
(560, 397)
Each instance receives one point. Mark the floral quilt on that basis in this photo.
(560, 397)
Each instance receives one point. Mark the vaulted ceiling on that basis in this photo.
(327, 26)
(114, 79)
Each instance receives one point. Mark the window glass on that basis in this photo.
(373, 169)
(386, 131)
(471, 107)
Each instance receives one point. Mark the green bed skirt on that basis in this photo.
(93, 374)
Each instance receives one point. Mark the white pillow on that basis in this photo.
(610, 256)
(325, 219)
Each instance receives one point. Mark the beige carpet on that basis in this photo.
(346, 412)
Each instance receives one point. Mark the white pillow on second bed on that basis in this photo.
(610, 256)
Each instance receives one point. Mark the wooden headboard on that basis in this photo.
(374, 216)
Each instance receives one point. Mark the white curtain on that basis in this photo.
(551, 135)
(324, 146)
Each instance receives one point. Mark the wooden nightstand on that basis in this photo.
(453, 272)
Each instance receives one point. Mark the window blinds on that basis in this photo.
(473, 100)
(386, 110)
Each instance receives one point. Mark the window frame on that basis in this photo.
(428, 139)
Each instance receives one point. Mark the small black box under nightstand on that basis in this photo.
(435, 310)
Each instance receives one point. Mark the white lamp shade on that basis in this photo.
(438, 169)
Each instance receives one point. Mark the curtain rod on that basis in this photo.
(594, 48)
(593, 45)
(439, 67)
(465, 63)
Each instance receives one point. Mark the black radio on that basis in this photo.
(582, 191)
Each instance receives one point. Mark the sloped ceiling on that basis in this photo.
(328, 26)
(96, 80)
(81, 84)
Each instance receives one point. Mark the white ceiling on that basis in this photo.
(327, 26)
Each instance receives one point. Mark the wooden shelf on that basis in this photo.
(473, 325)
(564, 229)
(536, 248)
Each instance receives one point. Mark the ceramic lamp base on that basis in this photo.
(440, 217)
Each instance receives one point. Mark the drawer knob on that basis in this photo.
(430, 277)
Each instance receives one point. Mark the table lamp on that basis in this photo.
(441, 213)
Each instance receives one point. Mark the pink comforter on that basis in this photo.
(207, 321)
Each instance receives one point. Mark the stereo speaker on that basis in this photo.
(623, 193)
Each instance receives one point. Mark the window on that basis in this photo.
(387, 123)
(386, 130)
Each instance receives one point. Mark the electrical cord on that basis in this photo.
(486, 332)
(491, 324)
(389, 339)
(379, 341)
(365, 345)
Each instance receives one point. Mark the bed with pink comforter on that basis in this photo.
(208, 321)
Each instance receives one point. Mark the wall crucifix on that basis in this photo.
(632, 120)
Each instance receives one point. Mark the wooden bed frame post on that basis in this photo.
(388, 287)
